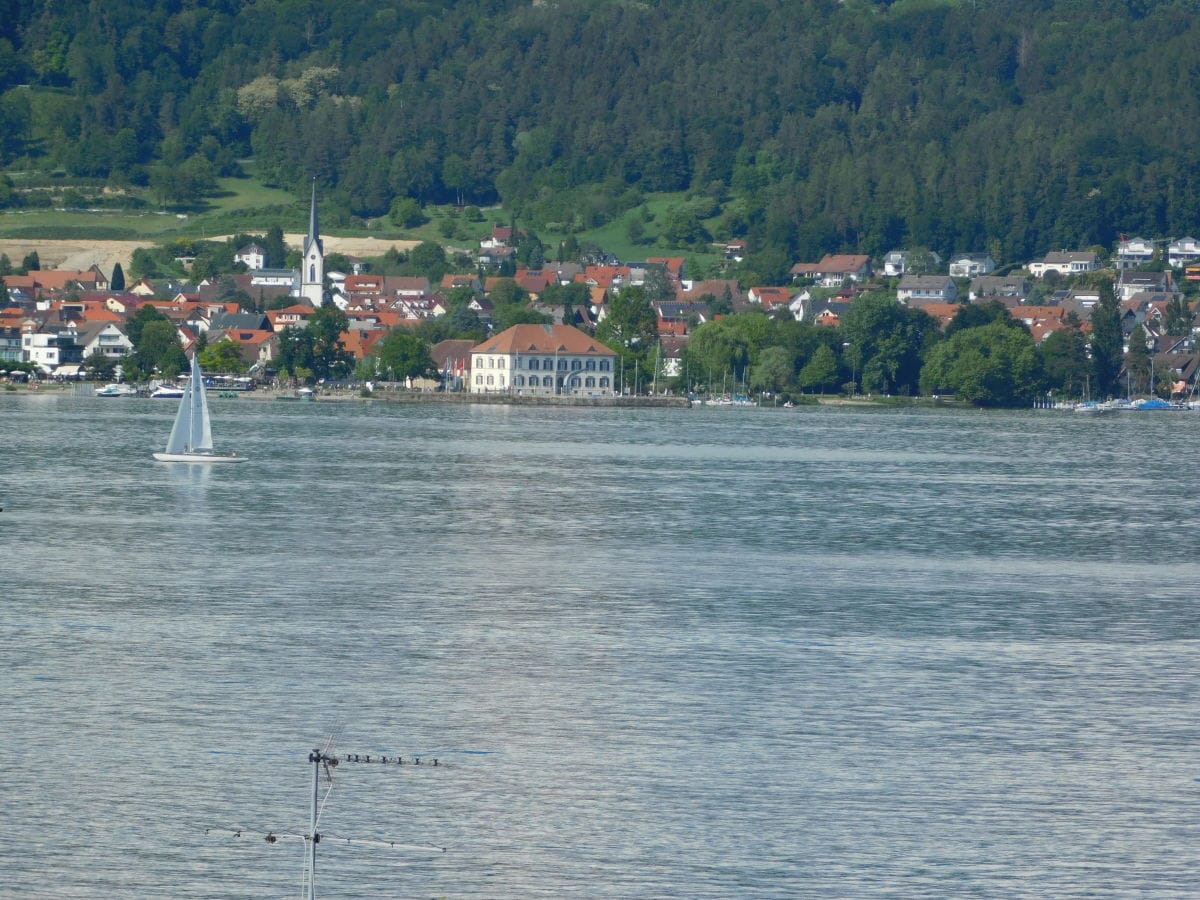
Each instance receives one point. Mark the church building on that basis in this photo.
(312, 265)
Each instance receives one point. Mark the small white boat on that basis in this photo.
(116, 390)
(167, 392)
(191, 439)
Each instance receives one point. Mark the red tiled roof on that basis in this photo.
(543, 339)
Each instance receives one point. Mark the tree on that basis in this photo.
(681, 227)
(428, 259)
(158, 350)
(1137, 361)
(99, 366)
(139, 320)
(630, 326)
(657, 284)
(276, 251)
(1065, 361)
(456, 175)
(1178, 319)
(820, 373)
(330, 358)
(505, 292)
(296, 351)
(223, 356)
(407, 213)
(775, 370)
(714, 351)
(992, 365)
(635, 230)
(31, 263)
(117, 282)
(888, 342)
(1107, 352)
(973, 315)
(402, 354)
(508, 316)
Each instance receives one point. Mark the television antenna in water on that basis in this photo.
(324, 761)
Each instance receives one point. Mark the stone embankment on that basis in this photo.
(387, 396)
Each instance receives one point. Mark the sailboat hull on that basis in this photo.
(198, 458)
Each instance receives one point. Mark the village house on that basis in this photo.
(501, 236)
(252, 256)
(495, 257)
(827, 311)
(470, 281)
(674, 266)
(258, 346)
(1130, 283)
(722, 290)
(921, 290)
(105, 338)
(295, 316)
(1065, 262)
(1182, 251)
(769, 297)
(943, 312)
(543, 359)
(899, 262)
(971, 265)
(834, 269)
(1133, 252)
(40, 282)
(986, 287)
(50, 346)
(453, 359)
(609, 277)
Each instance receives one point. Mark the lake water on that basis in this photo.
(699, 653)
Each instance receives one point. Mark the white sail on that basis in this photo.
(181, 431)
(192, 432)
(202, 439)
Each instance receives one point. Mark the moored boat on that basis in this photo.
(116, 390)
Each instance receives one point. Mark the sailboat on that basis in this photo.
(191, 437)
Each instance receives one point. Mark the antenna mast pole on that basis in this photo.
(316, 758)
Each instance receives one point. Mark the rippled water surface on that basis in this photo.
(686, 653)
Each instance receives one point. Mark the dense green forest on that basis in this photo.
(806, 126)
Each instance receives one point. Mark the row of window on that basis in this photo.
(589, 381)
(535, 364)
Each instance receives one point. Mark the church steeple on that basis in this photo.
(314, 233)
(312, 275)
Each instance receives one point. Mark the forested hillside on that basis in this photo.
(1013, 126)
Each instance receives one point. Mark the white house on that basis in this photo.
(918, 290)
(971, 265)
(105, 338)
(1065, 262)
(1183, 251)
(254, 256)
(543, 359)
(834, 269)
(1130, 283)
(1134, 252)
(49, 347)
(898, 262)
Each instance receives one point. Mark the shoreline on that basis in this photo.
(87, 389)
